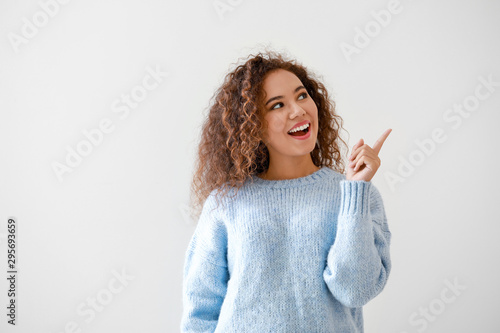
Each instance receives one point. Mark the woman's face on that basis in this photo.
(286, 104)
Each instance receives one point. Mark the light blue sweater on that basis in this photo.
(298, 255)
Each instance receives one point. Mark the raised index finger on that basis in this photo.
(378, 144)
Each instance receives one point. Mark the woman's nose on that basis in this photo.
(296, 110)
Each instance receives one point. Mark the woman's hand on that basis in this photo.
(364, 161)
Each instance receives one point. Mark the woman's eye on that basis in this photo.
(274, 107)
(303, 94)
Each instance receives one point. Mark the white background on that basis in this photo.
(123, 207)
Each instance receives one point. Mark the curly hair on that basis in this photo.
(231, 148)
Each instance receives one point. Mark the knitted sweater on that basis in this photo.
(298, 255)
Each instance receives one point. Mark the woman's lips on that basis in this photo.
(303, 137)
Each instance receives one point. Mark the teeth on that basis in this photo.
(303, 127)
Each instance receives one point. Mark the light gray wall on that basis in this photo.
(122, 208)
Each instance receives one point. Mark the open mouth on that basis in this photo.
(302, 132)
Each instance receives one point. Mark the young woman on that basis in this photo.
(300, 245)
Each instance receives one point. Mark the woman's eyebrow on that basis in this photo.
(278, 97)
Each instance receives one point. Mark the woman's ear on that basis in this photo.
(263, 135)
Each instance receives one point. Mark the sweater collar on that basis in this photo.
(309, 179)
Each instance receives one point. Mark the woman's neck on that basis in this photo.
(288, 174)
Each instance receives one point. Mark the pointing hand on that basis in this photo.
(364, 161)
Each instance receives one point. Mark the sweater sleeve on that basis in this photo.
(358, 263)
(205, 274)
